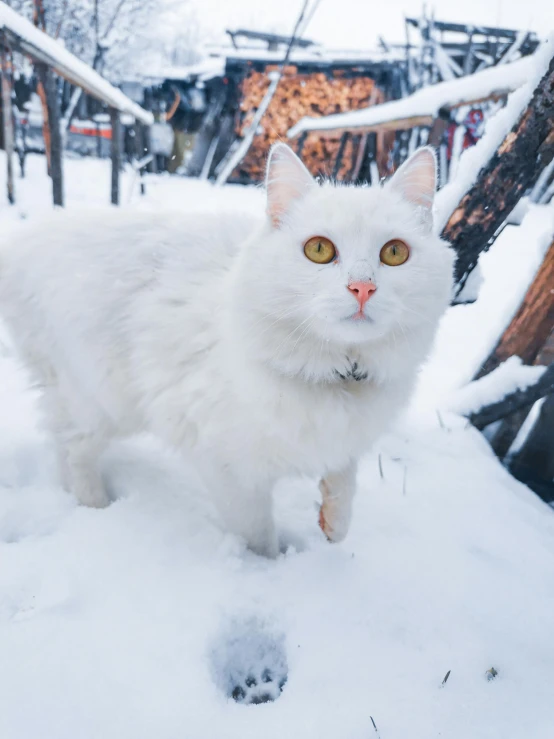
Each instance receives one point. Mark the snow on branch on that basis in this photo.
(25, 37)
(503, 391)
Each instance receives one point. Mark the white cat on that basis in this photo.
(261, 349)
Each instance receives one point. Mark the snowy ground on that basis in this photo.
(136, 621)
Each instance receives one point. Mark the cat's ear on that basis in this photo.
(287, 180)
(416, 180)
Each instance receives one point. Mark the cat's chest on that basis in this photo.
(305, 428)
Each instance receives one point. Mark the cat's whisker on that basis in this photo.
(291, 334)
(280, 316)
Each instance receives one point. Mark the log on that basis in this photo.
(526, 150)
(7, 118)
(515, 401)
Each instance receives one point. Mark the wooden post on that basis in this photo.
(116, 153)
(362, 147)
(7, 117)
(139, 152)
(343, 139)
(56, 144)
(515, 401)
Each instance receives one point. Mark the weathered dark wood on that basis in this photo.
(7, 118)
(523, 154)
(116, 153)
(507, 430)
(139, 152)
(532, 324)
(343, 139)
(56, 143)
(360, 155)
(515, 401)
(530, 335)
(534, 463)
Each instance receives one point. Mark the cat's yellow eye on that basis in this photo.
(394, 253)
(320, 250)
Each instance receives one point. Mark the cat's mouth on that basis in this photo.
(359, 317)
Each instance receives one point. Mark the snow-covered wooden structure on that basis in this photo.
(20, 35)
(517, 157)
(315, 81)
(423, 107)
(424, 116)
(444, 50)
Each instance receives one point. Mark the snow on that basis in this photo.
(313, 54)
(429, 100)
(67, 64)
(135, 621)
(508, 377)
(206, 69)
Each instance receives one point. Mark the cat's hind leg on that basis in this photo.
(79, 447)
(248, 512)
(337, 491)
(79, 464)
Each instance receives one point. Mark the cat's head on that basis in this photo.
(350, 264)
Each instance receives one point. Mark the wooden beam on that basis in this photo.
(7, 118)
(116, 153)
(79, 74)
(526, 150)
(409, 122)
(515, 401)
(530, 335)
(533, 323)
(397, 124)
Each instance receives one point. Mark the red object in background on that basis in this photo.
(103, 131)
(473, 123)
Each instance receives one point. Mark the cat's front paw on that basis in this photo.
(334, 530)
(334, 516)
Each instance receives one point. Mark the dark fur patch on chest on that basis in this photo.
(354, 372)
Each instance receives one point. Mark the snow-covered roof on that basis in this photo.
(423, 106)
(31, 40)
(314, 54)
(206, 69)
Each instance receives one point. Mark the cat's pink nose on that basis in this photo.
(362, 291)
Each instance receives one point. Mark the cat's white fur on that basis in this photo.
(217, 334)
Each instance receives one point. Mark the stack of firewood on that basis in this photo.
(298, 95)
